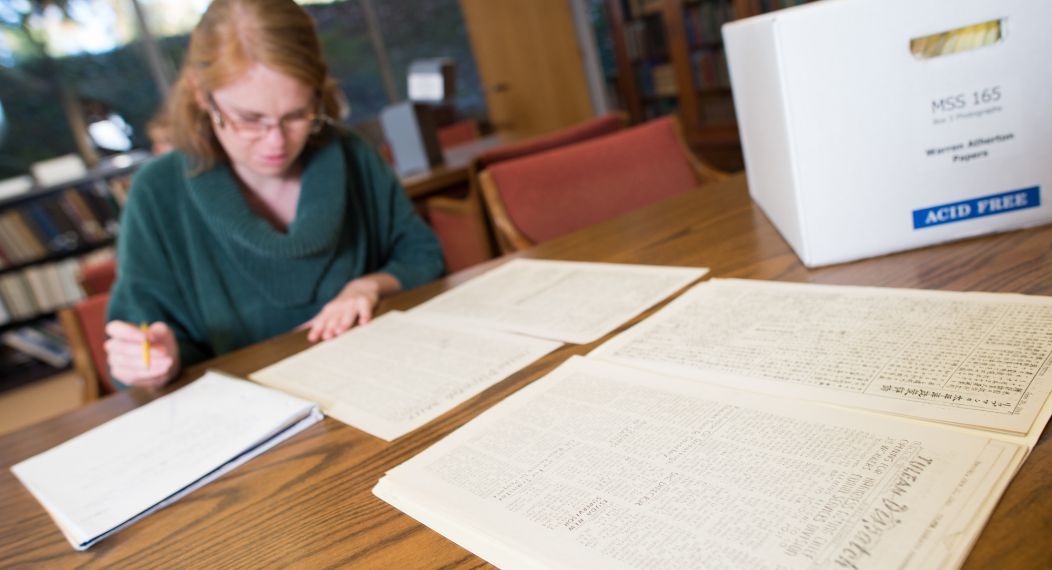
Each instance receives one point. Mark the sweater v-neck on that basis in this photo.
(290, 262)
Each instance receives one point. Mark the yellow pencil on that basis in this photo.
(145, 344)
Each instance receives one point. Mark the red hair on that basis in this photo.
(232, 36)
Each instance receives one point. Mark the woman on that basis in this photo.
(268, 217)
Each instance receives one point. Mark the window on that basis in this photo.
(344, 33)
(60, 68)
(422, 30)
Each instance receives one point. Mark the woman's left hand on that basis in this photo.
(354, 305)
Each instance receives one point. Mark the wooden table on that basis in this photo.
(454, 171)
(308, 502)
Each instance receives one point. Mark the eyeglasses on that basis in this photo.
(256, 128)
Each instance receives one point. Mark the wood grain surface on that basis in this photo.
(308, 502)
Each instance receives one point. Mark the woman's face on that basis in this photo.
(266, 119)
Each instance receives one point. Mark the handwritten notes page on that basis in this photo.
(401, 371)
(604, 466)
(570, 301)
(977, 359)
(117, 473)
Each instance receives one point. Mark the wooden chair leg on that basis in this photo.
(82, 362)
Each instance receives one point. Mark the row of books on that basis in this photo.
(703, 21)
(645, 40)
(710, 69)
(64, 221)
(656, 80)
(44, 288)
(663, 81)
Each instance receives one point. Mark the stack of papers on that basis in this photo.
(604, 466)
(106, 479)
(754, 424)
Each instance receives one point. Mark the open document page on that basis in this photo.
(599, 465)
(570, 301)
(976, 359)
(401, 371)
(117, 473)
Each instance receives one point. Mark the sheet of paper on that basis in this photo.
(401, 371)
(604, 466)
(570, 301)
(978, 359)
(128, 467)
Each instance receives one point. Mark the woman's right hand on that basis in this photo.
(128, 363)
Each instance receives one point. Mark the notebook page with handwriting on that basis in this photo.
(116, 473)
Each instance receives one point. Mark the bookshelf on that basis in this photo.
(46, 234)
(47, 231)
(670, 59)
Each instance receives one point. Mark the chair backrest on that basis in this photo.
(98, 277)
(590, 129)
(461, 224)
(546, 195)
(85, 328)
(460, 132)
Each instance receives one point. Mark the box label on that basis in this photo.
(977, 207)
(968, 125)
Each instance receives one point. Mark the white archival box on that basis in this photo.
(856, 147)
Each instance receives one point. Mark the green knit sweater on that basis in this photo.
(192, 254)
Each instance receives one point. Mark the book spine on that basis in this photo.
(7, 244)
(90, 224)
(23, 237)
(5, 315)
(105, 208)
(7, 296)
(43, 226)
(71, 289)
(38, 290)
(71, 213)
(47, 235)
(67, 229)
(52, 283)
(22, 296)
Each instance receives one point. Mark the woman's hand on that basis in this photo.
(354, 305)
(127, 360)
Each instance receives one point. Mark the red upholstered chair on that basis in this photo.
(543, 196)
(460, 132)
(97, 277)
(590, 129)
(84, 325)
(461, 224)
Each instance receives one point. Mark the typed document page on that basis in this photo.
(604, 466)
(569, 301)
(135, 463)
(401, 371)
(977, 359)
